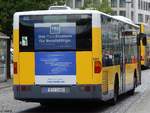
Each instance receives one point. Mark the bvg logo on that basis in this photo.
(55, 29)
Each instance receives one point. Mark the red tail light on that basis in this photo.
(142, 58)
(15, 67)
(133, 59)
(97, 67)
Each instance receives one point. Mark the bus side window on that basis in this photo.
(110, 42)
(117, 57)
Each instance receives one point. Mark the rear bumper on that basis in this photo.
(34, 93)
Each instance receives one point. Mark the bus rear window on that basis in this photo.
(55, 33)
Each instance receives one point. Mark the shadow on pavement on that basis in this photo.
(70, 107)
(77, 107)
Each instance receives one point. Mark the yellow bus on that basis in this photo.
(145, 45)
(74, 54)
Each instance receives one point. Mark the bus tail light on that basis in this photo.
(142, 58)
(97, 67)
(15, 67)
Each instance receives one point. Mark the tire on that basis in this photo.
(131, 92)
(116, 92)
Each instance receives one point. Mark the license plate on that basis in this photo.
(55, 90)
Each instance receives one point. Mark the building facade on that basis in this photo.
(4, 57)
(137, 10)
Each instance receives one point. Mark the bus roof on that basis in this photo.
(125, 20)
(41, 12)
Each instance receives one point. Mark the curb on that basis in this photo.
(5, 84)
(5, 87)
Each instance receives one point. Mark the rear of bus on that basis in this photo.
(54, 56)
(143, 48)
(147, 32)
(145, 45)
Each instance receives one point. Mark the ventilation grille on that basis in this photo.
(105, 82)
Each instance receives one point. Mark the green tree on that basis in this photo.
(102, 5)
(105, 7)
(9, 7)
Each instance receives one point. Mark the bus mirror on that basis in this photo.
(144, 40)
(138, 40)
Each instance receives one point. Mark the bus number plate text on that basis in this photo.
(55, 90)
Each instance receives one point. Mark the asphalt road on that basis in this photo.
(138, 103)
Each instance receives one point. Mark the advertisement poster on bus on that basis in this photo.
(51, 67)
(55, 36)
(55, 68)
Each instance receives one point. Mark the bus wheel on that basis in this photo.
(116, 92)
(131, 92)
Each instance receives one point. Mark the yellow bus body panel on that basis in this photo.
(97, 52)
(84, 67)
(142, 54)
(142, 47)
(85, 61)
(27, 68)
(130, 68)
(142, 28)
(109, 77)
(16, 54)
(96, 42)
